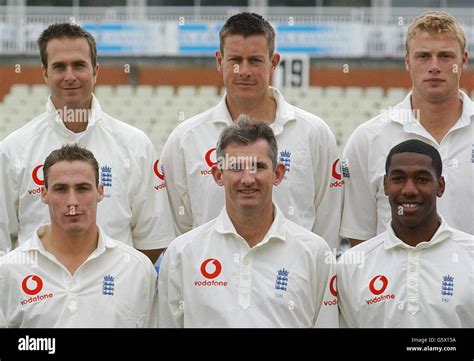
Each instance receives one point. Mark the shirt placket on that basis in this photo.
(245, 279)
(413, 282)
(70, 282)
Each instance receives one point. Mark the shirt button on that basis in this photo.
(246, 262)
(412, 268)
(412, 282)
(72, 306)
(246, 277)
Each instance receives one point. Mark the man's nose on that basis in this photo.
(244, 69)
(69, 75)
(72, 198)
(248, 176)
(409, 188)
(434, 65)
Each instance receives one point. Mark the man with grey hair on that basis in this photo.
(250, 266)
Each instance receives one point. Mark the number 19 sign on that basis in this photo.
(292, 72)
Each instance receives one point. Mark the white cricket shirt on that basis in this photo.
(210, 277)
(135, 209)
(384, 282)
(114, 287)
(366, 208)
(310, 195)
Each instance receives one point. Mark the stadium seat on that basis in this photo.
(164, 90)
(187, 91)
(104, 91)
(20, 90)
(354, 92)
(334, 92)
(39, 90)
(207, 90)
(396, 94)
(374, 92)
(125, 91)
(144, 91)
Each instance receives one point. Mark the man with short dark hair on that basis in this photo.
(418, 273)
(249, 267)
(310, 194)
(133, 211)
(70, 273)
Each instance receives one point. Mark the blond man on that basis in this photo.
(436, 112)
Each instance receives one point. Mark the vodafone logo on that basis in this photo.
(333, 290)
(217, 268)
(35, 176)
(32, 285)
(208, 155)
(157, 172)
(377, 286)
(336, 174)
(210, 269)
(381, 285)
(333, 286)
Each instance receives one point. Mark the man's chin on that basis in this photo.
(249, 205)
(436, 95)
(74, 229)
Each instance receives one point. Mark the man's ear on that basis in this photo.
(279, 174)
(465, 58)
(407, 62)
(217, 175)
(45, 73)
(44, 195)
(100, 192)
(275, 60)
(441, 186)
(96, 72)
(385, 185)
(218, 56)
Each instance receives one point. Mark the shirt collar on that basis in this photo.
(57, 121)
(284, 113)
(402, 113)
(277, 230)
(467, 115)
(442, 233)
(35, 243)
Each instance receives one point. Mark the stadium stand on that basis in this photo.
(158, 110)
